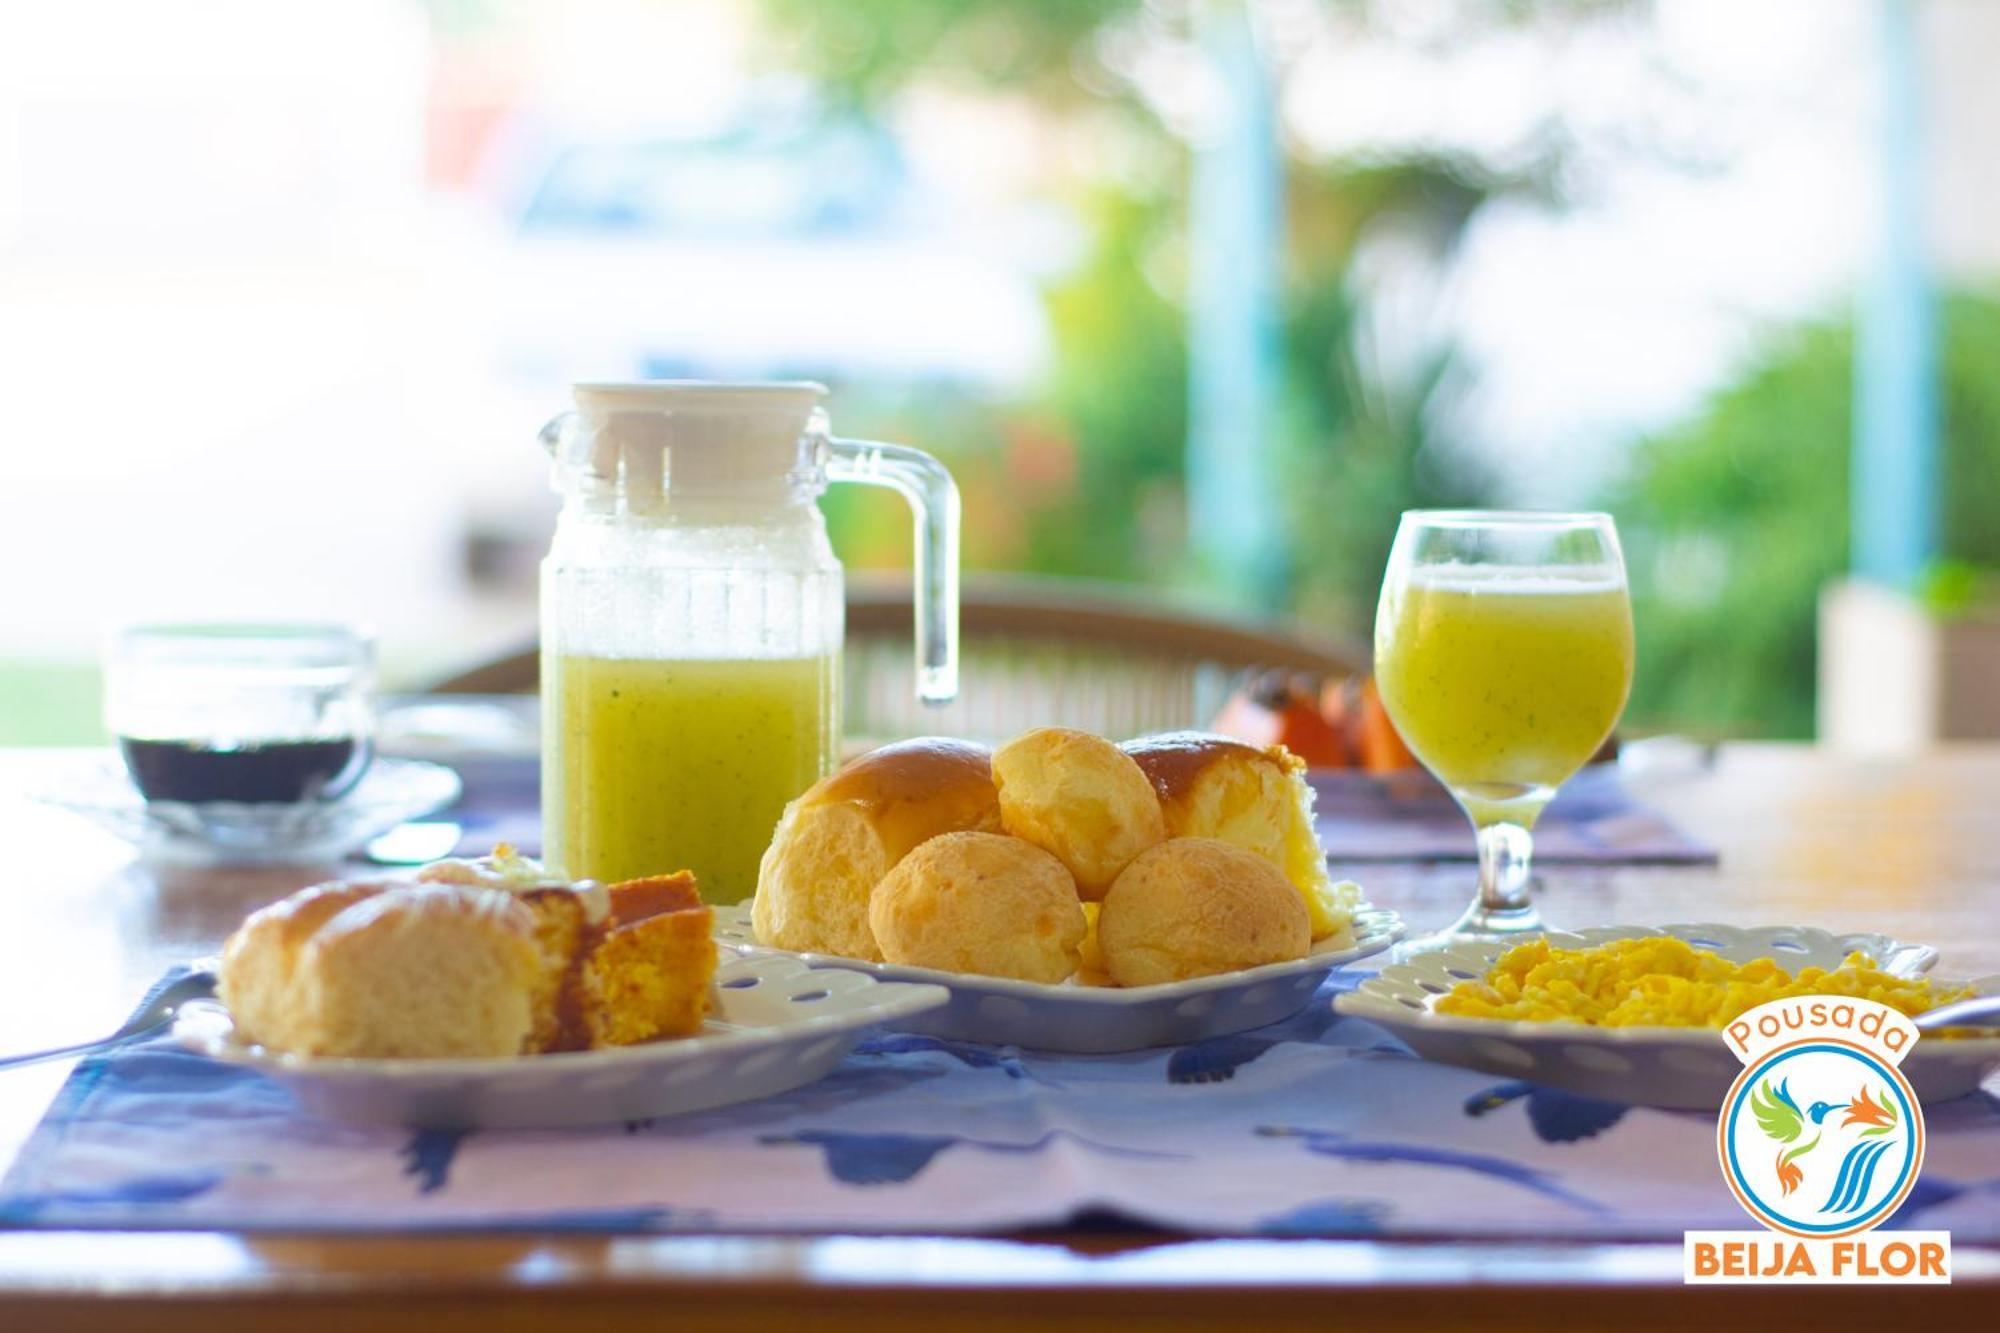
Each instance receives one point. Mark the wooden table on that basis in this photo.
(1912, 849)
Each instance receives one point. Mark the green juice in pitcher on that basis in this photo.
(692, 616)
(657, 766)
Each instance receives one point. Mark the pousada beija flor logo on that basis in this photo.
(1820, 1138)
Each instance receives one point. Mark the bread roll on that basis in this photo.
(835, 843)
(485, 958)
(1079, 797)
(261, 958)
(372, 971)
(1194, 907)
(981, 903)
(1214, 787)
(563, 915)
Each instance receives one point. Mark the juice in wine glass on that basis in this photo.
(1504, 681)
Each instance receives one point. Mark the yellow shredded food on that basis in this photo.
(1664, 982)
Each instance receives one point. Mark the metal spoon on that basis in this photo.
(1981, 1011)
(198, 984)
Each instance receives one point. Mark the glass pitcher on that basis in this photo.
(692, 615)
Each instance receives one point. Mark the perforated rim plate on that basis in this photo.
(759, 1001)
(1375, 929)
(1662, 1066)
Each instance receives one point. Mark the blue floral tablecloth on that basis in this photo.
(1318, 1125)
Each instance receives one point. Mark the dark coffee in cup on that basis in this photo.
(261, 714)
(284, 772)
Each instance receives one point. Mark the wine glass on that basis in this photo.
(1503, 652)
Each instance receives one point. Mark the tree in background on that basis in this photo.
(1735, 521)
(1088, 477)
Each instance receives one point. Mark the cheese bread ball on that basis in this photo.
(1214, 787)
(982, 903)
(1080, 798)
(1194, 907)
(834, 843)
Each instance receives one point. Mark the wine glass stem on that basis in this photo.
(1505, 852)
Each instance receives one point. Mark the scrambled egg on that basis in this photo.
(1663, 982)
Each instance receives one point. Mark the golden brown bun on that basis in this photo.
(385, 971)
(981, 903)
(1079, 797)
(836, 842)
(1214, 787)
(1194, 907)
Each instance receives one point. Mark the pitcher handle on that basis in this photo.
(933, 498)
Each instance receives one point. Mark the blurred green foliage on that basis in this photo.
(1366, 440)
(865, 48)
(1085, 476)
(1734, 521)
(1952, 588)
(49, 703)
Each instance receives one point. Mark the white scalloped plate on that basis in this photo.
(776, 1025)
(1102, 1020)
(1685, 1068)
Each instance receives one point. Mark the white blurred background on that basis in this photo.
(287, 286)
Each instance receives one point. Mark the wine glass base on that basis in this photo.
(1479, 924)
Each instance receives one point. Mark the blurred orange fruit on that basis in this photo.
(1375, 736)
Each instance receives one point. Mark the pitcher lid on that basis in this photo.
(629, 443)
(697, 395)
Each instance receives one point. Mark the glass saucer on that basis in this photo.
(391, 792)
